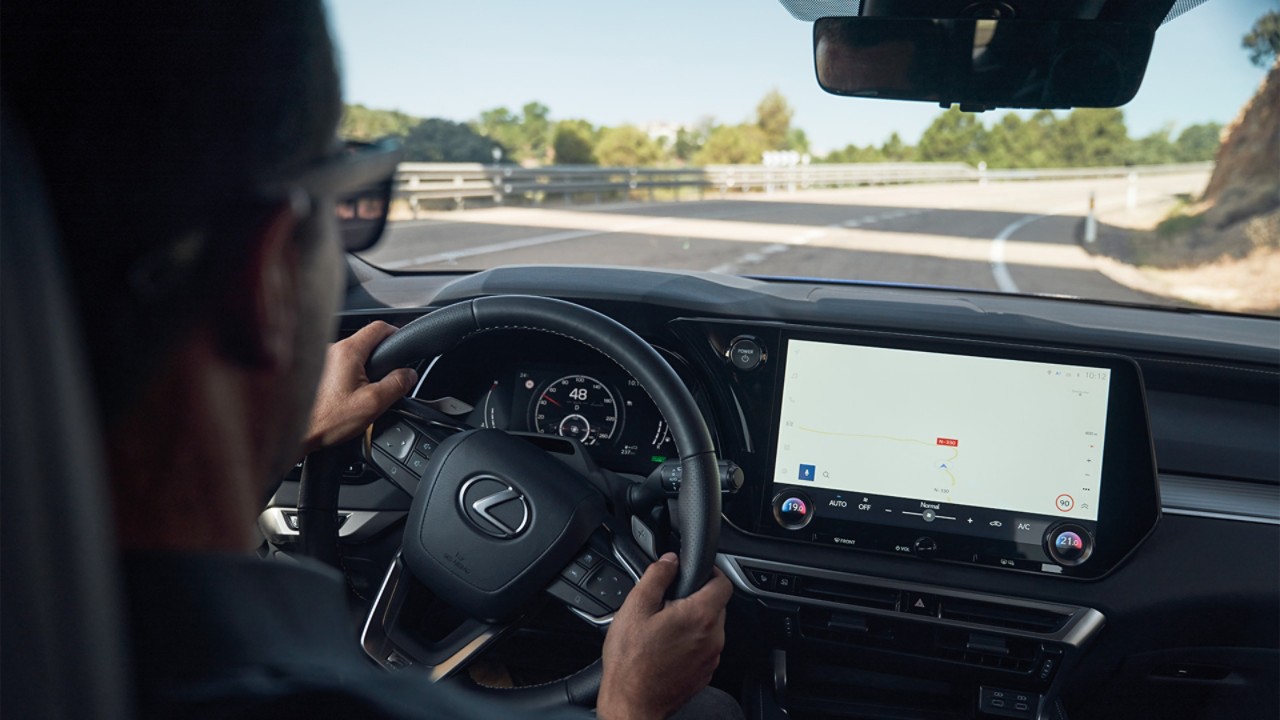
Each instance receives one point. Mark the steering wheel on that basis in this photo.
(496, 519)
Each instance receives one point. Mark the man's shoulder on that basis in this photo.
(219, 636)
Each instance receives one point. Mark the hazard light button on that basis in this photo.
(920, 604)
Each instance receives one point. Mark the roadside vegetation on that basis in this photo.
(1221, 249)
(1085, 137)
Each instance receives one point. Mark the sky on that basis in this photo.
(676, 62)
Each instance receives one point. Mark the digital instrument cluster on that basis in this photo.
(600, 406)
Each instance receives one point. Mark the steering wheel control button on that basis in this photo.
(394, 471)
(588, 558)
(396, 440)
(578, 598)
(792, 510)
(494, 506)
(746, 353)
(609, 585)
(418, 464)
(575, 573)
(1068, 544)
(785, 584)
(425, 446)
(924, 547)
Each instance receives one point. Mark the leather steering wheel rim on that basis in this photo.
(698, 505)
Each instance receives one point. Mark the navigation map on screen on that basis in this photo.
(983, 432)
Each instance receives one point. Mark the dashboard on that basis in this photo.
(1127, 455)
(555, 386)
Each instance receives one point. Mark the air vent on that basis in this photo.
(1010, 617)
(988, 651)
(847, 593)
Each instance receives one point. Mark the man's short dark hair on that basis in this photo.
(155, 120)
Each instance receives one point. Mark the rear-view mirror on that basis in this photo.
(983, 63)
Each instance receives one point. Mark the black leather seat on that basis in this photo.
(63, 654)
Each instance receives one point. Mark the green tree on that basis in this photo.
(1037, 144)
(1197, 143)
(1004, 141)
(855, 154)
(733, 145)
(362, 123)
(1263, 41)
(627, 146)
(1093, 137)
(895, 150)
(535, 130)
(503, 127)
(797, 140)
(953, 136)
(437, 140)
(1153, 149)
(689, 140)
(773, 117)
(574, 143)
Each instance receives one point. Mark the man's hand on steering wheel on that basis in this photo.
(346, 401)
(659, 653)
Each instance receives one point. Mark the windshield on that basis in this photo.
(694, 136)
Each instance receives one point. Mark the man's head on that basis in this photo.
(154, 123)
(168, 133)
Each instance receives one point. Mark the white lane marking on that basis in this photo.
(452, 256)
(755, 258)
(999, 270)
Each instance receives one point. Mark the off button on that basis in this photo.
(746, 353)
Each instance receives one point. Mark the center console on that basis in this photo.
(1003, 459)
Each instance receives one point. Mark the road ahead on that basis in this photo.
(1013, 237)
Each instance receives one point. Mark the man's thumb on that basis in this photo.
(395, 385)
(648, 594)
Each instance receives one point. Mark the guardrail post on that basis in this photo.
(1131, 197)
(1091, 222)
(982, 174)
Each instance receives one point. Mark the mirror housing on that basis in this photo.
(983, 63)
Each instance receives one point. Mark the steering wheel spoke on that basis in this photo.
(386, 640)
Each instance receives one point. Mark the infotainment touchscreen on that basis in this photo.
(940, 443)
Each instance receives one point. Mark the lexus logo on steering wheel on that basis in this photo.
(494, 507)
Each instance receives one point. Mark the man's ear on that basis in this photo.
(260, 325)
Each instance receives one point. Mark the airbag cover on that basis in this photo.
(494, 520)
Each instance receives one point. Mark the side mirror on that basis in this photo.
(983, 63)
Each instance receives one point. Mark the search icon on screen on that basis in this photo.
(826, 474)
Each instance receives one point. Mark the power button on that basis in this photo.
(746, 353)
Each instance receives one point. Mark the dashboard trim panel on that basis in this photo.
(1082, 625)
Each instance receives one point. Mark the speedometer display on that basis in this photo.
(578, 407)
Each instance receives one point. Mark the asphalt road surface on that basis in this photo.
(1011, 236)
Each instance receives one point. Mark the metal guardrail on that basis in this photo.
(456, 183)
